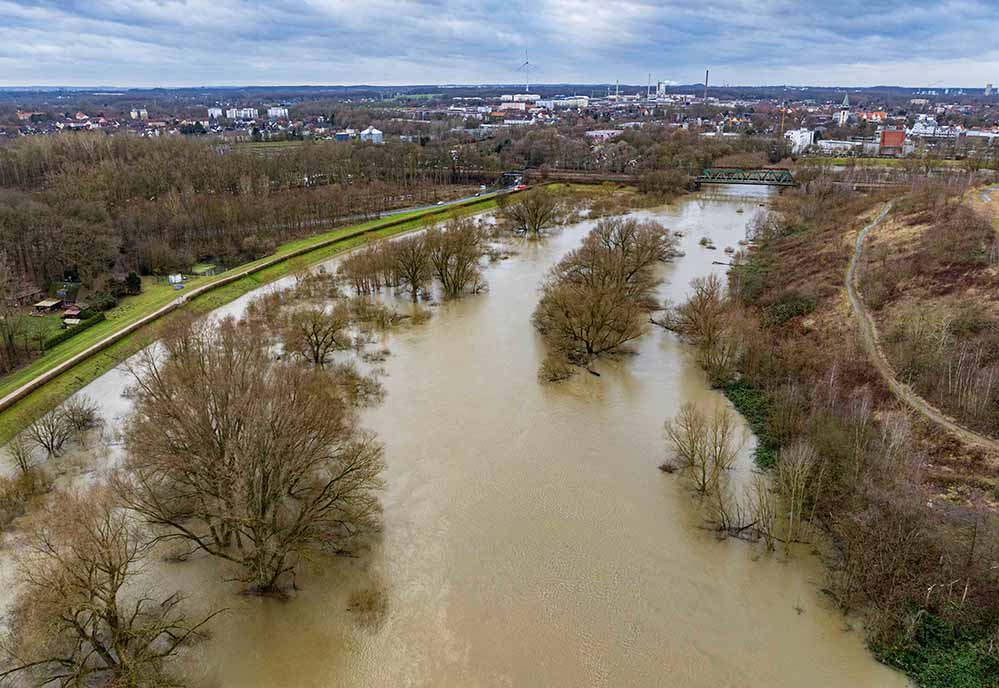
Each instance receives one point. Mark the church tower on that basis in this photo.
(843, 116)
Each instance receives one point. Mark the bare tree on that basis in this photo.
(51, 432)
(455, 254)
(412, 263)
(79, 618)
(81, 413)
(19, 453)
(247, 459)
(12, 323)
(314, 333)
(599, 296)
(706, 321)
(704, 445)
(794, 470)
(533, 211)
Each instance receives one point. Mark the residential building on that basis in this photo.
(927, 128)
(800, 139)
(277, 113)
(215, 113)
(242, 113)
(892, 142)
(839, 147)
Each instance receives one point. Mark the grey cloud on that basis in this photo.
(179, 42)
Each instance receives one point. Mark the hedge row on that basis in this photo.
(72, 331)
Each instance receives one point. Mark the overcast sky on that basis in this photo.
(250, 42)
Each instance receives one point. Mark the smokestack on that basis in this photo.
(706, 72)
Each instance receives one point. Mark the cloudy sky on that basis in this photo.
(251, 42)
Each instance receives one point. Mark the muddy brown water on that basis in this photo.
(528, 538)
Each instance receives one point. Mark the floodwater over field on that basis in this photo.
(528, 538)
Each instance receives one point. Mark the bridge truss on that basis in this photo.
(737, 175)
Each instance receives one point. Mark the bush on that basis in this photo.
(133, 283)
(942, 656)
(103, 301)
(17, 491)
(554, 369)
(61, 337)
(754, 405)
(789, 304)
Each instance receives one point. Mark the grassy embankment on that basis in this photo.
(285, 260)
(880, 162)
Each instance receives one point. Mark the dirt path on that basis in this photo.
(869, 335)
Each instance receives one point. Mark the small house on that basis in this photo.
(71, 312)
(48, 305)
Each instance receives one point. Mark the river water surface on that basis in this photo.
(528, 538)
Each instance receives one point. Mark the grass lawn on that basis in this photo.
(38, 328)
(878, 162)
(157, 294)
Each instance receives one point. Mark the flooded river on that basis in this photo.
(528, 538)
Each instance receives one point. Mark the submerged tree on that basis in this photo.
(51, 432)
(411, 256)
(455, 254)
(707, 320)
(314, 333)
(704, 445)
(599, 296)
(532, 211)
(251, 460)
(79, 619)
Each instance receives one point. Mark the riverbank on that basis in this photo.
(76, 362)
(909, 507)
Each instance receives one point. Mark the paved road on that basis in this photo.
(869, 336)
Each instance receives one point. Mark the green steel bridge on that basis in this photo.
(768, 176)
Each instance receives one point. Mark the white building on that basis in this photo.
(215, 113)
(242, 113)
(139, 113)
(839, 147)
(373, 135)
(564, 103)
(526, 97)
(277, 113)
(800, 139)
(926, 127)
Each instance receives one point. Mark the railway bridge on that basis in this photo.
(769, 176)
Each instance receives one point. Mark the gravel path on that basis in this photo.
(869, 336)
